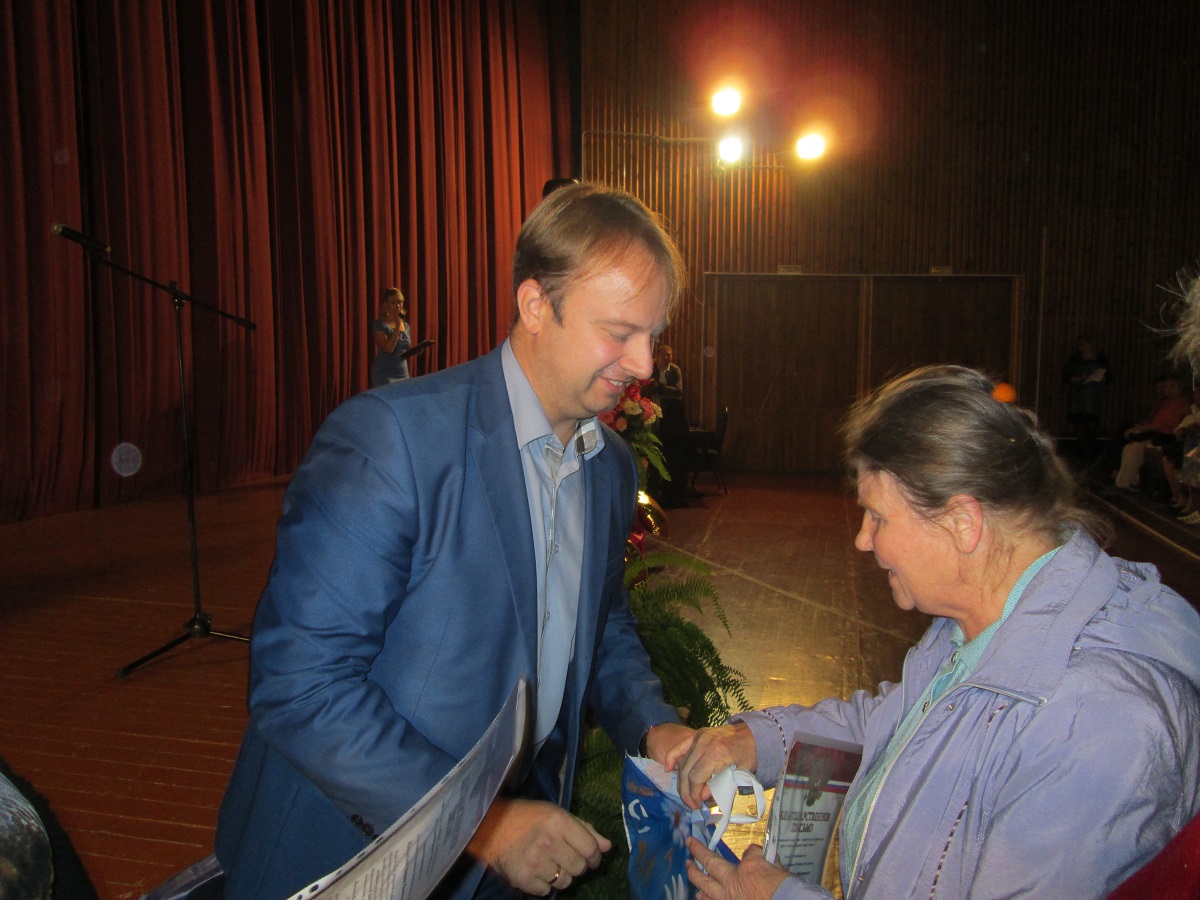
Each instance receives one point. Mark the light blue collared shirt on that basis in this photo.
(554, 488)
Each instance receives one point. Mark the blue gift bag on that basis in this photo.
(657, 825)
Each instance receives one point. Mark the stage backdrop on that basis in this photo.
(278, 162)
(833, 338)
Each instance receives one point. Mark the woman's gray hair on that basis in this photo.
(939, 432)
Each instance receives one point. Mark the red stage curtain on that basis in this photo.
(47, 407)
(282, 163)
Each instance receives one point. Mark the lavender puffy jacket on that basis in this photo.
(1065, 762)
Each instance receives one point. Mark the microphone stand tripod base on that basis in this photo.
(198, 626)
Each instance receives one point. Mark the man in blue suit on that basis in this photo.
(443, 537)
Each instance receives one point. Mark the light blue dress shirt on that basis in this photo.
(554, 488)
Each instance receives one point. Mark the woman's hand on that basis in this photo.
(752, 879)
(697, 758)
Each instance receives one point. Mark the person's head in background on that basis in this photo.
(391, 305)
(1167, 385)
(595, 279)
(665, 356)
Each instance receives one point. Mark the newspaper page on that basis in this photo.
(408, 860)
(808, 800)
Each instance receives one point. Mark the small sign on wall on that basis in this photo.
(941, 270)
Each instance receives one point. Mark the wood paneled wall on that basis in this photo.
(793, 351)
(1054, 141)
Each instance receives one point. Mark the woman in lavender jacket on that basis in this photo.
(1045, 738)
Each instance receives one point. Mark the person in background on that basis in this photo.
(445, 537)
(392, 340)
(665, 388)
(1086, 375)
(1158, 430)
(666, 379)
(1044, 740)
(1187, 350)
(1182, 468)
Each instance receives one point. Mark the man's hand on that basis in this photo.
(711, 750)
(536, 847)
(664, 737)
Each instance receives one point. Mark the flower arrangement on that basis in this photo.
(631, 418)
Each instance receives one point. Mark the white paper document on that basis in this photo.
(408, 860)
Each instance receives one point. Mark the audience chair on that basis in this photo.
(704, 451)
(1174, 874)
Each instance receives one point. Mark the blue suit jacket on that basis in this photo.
(400, 610)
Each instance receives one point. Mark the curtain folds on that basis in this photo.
(281, 163)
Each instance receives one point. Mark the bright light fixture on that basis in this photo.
(726, 102)
(811, 146)
(730, 149)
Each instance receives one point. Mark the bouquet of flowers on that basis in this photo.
(631, 418)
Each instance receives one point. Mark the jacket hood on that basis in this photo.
(1084, 598)
(1149, 619)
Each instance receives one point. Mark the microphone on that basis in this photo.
(82, 240)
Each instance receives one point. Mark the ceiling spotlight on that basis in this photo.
(726, 102)
(811, 146)
(730, 149)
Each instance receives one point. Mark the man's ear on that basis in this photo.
(533, 305)
(963, 518)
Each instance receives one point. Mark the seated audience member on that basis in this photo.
(1157, 431)
(1182, 465)
(1045, 738)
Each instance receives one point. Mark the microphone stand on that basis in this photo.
(200, 624)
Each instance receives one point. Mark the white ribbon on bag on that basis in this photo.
(724, 786)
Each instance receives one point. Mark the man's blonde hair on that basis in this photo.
(580, 230)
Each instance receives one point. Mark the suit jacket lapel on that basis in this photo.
(493, 445)
(596, 537)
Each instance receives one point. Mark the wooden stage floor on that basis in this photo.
(135, 768)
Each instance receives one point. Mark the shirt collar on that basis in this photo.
(981, 640)
(529, 418)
